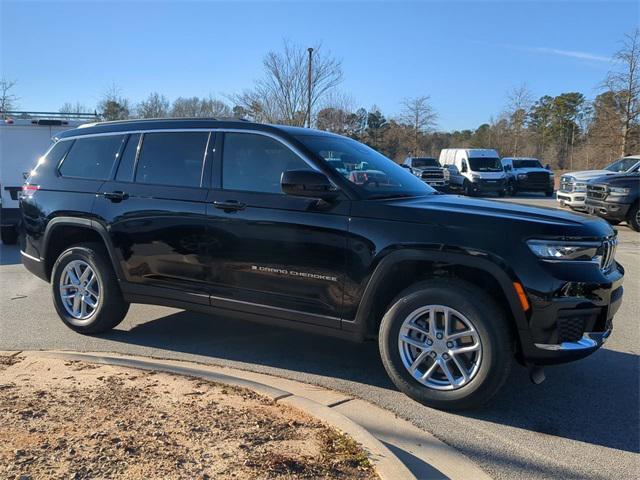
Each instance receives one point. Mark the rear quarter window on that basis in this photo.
(92, 157)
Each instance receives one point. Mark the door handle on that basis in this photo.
(230, 205)
(116, 196)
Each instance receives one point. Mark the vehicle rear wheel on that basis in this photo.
(86, 293)
(9, 235)
(445, 344)
(633, 219)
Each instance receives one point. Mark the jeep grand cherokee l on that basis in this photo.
(250, 220)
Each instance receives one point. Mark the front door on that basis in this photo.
(269, 252)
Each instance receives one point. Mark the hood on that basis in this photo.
(473, 215)
(631, 180)
(428, 169)
(588, 174)
(530, 170)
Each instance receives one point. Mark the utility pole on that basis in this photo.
(310, 50)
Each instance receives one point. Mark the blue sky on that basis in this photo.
(465, 55)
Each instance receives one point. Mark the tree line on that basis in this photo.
(568, 131)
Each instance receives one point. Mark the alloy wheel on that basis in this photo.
(80, 291)
(440, 347)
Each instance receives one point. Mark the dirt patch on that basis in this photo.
(78, 420)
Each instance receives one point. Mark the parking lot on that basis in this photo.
(581, 423)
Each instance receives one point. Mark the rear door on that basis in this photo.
(154, 209)
(273, 253)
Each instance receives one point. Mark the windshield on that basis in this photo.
(622, 165)
(485, 164)
(375, 175)
(529, 163)
(424, 162)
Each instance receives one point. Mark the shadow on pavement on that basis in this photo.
(594, 400)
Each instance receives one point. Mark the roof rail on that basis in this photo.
(18, 114)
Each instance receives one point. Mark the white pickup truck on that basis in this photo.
(573, 185)
(24, 137)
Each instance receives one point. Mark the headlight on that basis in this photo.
(580, 187)
(522, 176)
(475, 176)
(557, 250)
(619, 191)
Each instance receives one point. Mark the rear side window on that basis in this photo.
(255, 163)
(58, 151)
(173, 158)
(127, 162)
(92, 157)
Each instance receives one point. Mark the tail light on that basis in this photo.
(29, 189)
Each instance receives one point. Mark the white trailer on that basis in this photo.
(24, 137)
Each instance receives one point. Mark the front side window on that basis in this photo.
(375, 175)
(485, 164)
(254, 163)
(172, 158)
(92, 157)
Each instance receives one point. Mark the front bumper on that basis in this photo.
(572, 199)
(525, 185)
(607, 209)
(572, 321)
(488, 186)
(437, 184)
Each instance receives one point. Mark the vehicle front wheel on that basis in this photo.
(86, 293)
(634, 217)
(548, 193)
(468, 189)
(446, 344)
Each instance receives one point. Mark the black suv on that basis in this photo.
(254, 221)
(616, 198)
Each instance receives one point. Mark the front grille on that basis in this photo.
(597, 192)
(433, 175)
(570, 329)
(608, 253)
(538, 177)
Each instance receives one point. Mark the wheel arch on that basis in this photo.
(63, 232)
(400, 269)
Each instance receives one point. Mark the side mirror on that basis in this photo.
(547, 166)
(507, 168)
(309, 184)
(464, 168)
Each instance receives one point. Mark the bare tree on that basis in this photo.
(113, 106)
(281, 96)
(418, 114)
(8, 101)
(73, 108)
(625, 86)
(200, 107)
(519, 102)
(155, 105)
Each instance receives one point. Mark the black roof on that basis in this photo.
(186, 123)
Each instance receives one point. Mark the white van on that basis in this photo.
(24, 137)
(474, 171)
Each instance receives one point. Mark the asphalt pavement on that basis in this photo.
(582, 422)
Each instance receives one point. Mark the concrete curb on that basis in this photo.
(397, 449)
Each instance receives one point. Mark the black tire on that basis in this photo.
(468, 189)
(502, 193)
(489, 321)
(111, 307)
(612, 222)
(9, 235)
(511, 189)
(633, 217)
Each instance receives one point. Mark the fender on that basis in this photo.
(475, 259)
(84, 223)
